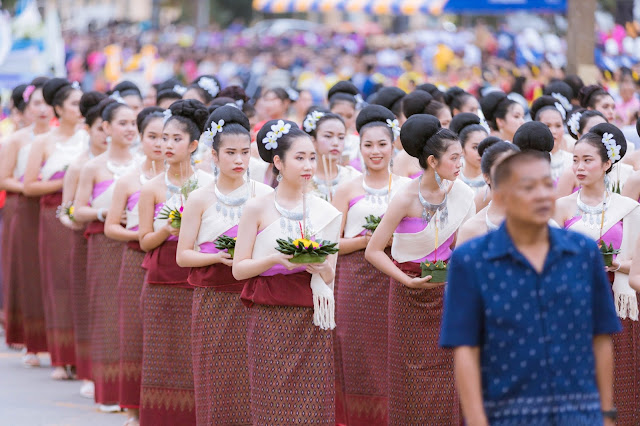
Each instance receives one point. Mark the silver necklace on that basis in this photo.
(375, 196)
(490, 225)
(592, 215)
(326, 186)
(119, 170)
(174, 189)
(557, 165)
(230, 206)
(288, 218)
(429, 210)
(473, 183)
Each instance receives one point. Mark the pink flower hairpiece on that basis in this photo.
(26, 95)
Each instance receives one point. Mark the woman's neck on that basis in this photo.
(150, 168)
(556, 147)
(227, 183)
(180, 171)
(95, 150)
(118, 152)
(593, 192)
(327, 168)
(288, 194)
(504, 135)
(495, 211)
(66, 129)
(377, 178)
(470, 171)
(40, 128)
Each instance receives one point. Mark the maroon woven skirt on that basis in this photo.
(28, 279)
(421, 381)
(130, 325)
(13, 322)
(167, 396)
(626, 385)
(290, 366)
(361, 326)
(104, 257)
(80, 305)
(219, 352)
(55, 272)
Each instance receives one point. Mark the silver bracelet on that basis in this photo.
(100, 214)
(617, 269)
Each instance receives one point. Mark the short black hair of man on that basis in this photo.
(504, 170)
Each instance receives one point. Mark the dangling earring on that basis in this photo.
(216, 172)
(248, 174)
(607, 181)
(109, 140)
(438, 179)
(279, 178)
(391, 164)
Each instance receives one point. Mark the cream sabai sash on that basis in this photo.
(133, 215)
(627, 210)
(64, 154)
(357, 214)
(213, 224)
(620, 172)
(326, 221)
(21, 162)
(103, 201)
(460, 205)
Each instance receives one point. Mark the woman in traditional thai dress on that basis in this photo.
(90, 108)
(423, 219)
(104, 255)
(363, 288)
(328, 135)
(614, 220)
(48, 161)
(24, 308)
(345, 100)
(218, 324)
(470, 132)
(292, 307)
(167, 392)
(460, 101)
(125, 204)
(503, 114)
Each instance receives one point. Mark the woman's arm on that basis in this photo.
(8, 161)
(150, 239)
(631, 187)
(375, 249)
(112, 226)
(83, 211)
(187, 256)
(244, 266)
(341, 202)
(69, 186)
(33, 187)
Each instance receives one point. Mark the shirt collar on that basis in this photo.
(501, 244)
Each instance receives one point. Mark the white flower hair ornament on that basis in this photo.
(116, 97)
(166, 116)
(394, 126)
(311, 121)
(211, 132)
(180, 90)
(270, 141)
(563, 100)
(292, 94)
(76, 85)
(574, 122)
(360, 103)
(210, 85)
(613, 149)
(561, 110)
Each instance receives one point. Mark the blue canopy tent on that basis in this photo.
(489, 7)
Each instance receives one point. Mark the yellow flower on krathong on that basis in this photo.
(306, 243)
(71, 210)
(172, 215)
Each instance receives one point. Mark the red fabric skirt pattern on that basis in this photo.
(290, 367)
(104, 257)
(219, 349)
(80, 305)
(28, 279)
(626, 385)
(361, 325)
(13, 322)
(55, 271)
(167, 395)
(130, 326)
(421, 381)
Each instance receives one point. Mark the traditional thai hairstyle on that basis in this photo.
(495, 105)
(608, 140)
(56, 90)
(433, 90)
(125, 88)
(315, 117)
(575, 83)
(208, 86)
(109, 106)
(546, 103)
(90, 106)
(423, 136)
(275, 138)
(345, 91)
(534, 136)
(390, 98)
(17, 97)
(191, 114)
(455, 98)
(590, 95)
(421, 102)
(225, 120)
(146, 116)
(561, 92)
(490, 149)
(465, 123)
(378, 116)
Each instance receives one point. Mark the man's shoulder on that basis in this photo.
(474, 246)
(573, 241)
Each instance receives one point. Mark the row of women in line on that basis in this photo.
(133, 294)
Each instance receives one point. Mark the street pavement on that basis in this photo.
(29, 397)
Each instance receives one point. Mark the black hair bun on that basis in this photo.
(343, 87)
(192, 109)
(416, 131)
(126, 88)
(638, 126)
(17, 96)
(230, 114)
(373, 114)
(560, 91)
(415, 103)
(146, 112)
(489, 104)
(433, 90)
(452, 93)
(535, 136)
(169, 84)
(546, 101)
(462, 120)
(267, 154)
(487, 143)
(51, 88)
(388, 97)
(618, 136)
(90, 100)
(587, 92)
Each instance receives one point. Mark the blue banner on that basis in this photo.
(503, 6)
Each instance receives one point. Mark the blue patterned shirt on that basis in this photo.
(535, 331)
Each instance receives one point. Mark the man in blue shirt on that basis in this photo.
(529, 311)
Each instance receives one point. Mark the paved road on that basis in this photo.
(28, 397)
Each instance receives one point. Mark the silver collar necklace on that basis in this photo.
(373, 195)
(592, 215)
(288, 218)
(119, 170)
(228, 206)
(429, 210)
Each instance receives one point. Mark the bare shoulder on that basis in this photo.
(348, 188)
(256, 206)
